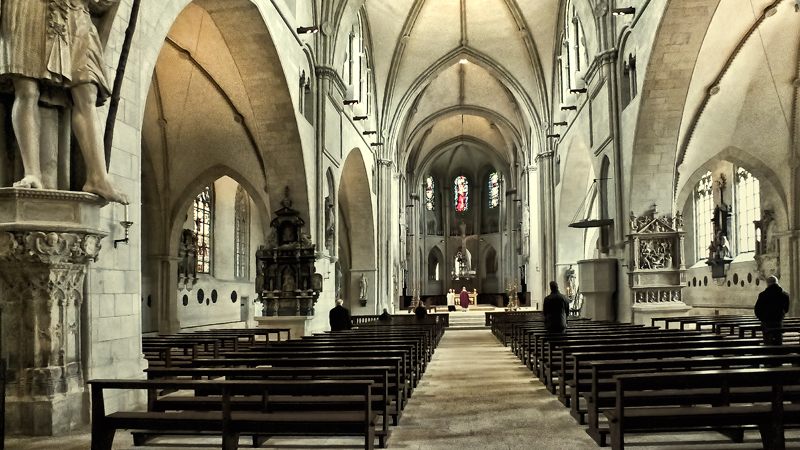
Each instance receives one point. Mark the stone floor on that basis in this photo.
(475, 395)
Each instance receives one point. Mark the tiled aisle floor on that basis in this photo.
(475, 395)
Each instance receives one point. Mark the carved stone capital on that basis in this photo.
(49, 248)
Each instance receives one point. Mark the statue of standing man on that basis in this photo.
(362, 284)
(52, 47)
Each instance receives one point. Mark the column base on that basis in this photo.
(46, 416)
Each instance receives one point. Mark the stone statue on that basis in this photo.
(288, 280)
(330, 222)
(362, 284)
(50, 51)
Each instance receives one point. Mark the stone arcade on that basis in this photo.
(426, 145)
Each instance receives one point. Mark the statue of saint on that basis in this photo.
(362, 284)
(50, 50)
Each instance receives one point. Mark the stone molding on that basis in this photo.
(49, 247)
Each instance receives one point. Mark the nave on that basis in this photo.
(475, 395)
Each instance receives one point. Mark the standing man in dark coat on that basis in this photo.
(770, 308)
(340, 317)
(555, 310)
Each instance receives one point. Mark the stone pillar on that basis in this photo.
(167, 279)
(547, 219)
(47, 240)
(384, 287)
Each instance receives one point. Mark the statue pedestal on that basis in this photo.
(598, 282)
(47, 239)
(296, 324)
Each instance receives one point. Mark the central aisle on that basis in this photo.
(476, 394)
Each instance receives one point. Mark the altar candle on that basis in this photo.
(126, 213)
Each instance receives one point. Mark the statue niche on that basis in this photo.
(285, 278)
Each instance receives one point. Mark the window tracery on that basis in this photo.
(747, 209)
(430, 194)
(202, 209)
(494, 190)
(703, 215)
(241, 258)
(461, 193)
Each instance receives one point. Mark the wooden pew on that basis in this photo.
(394, 361)
(231, 423)
(770, 414)
(601, 393)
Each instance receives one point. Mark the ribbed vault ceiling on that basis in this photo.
(436, 61)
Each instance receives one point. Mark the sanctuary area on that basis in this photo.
(229, 169)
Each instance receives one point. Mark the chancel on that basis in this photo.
(187, 187)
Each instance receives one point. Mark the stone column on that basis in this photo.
(547, 218)
(47, 240)
(167, 281)
(384, 286)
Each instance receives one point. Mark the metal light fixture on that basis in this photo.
(367, 133)
(560, 124)
(360, 117)
(376, 144)
(350, 102)
(308, 30)
(554, 136)
(569, 108)
(126, 224)
(623, 11)
(577, 91)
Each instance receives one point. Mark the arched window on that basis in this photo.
(703, 213)
(203, 207)
(494, 190)
(241, 238)
(433, 266)
(748, 209)
(429, 194)
(461, 193)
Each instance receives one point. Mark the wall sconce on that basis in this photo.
(623, 11)
(554, 136)
(560, 124)
(308, 30)
(569, 108)
(367, 133)
(360, 117)
(577, 91)
(126, 224)
(350, 102)
(376, 144)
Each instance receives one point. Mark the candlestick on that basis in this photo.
(126, 213)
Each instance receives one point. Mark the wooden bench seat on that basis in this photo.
(604, 364)
(231, 423)
(770, 415)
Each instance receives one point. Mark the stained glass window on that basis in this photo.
(203, 205)
(494, 190)
(748, 209)
(241, 236)
(429, 193)
(461, 193)
(703, 212)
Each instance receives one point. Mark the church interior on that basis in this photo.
(278, 155)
